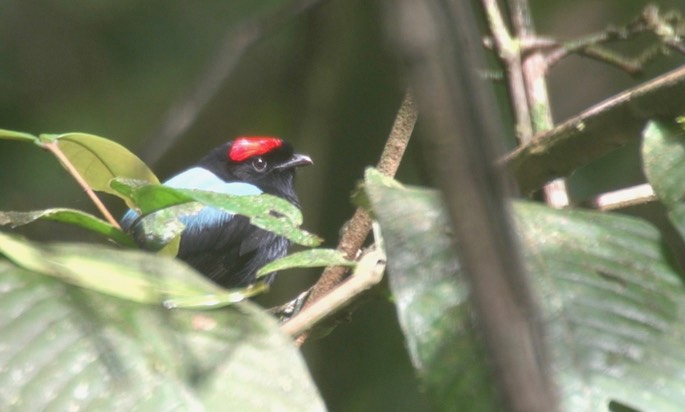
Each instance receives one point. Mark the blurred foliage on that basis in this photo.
(327, 81)
(66, 348)
(610, 297)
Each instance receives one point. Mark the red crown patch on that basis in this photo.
(246, 147)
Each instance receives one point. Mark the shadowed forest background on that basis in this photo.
(326, 79)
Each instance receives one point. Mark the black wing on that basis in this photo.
(228, 249)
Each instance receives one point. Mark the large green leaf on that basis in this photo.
(127, 274)
(265, 211)
(431, 301)
(66, 348)
(611, 302)
(614, 308)
(99, 160)
(70, 216)
(663, 158)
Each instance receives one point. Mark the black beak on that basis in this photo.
(296, 161)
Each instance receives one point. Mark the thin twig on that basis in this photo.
(525, 69)
(509, 52)
(534, 70)
(668, 27)
(53, 147)
(368, 273)
(357, 228)
(620, 199)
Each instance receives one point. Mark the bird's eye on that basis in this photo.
(259, 164)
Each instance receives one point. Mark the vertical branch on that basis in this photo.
(509, 51)
(358, 227)
(437, 39)
(534, 69)
(526, 80)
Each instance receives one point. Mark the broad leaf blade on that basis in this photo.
(663, 158)
(64, 348)
(614, 308)
(430, 300)
(611, 300)
(311, 258)
(99, 160)
(69, 216)
(127, 274)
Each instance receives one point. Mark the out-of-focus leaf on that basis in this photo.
(265, 211)
(127, 274)
(663, 158)
(69, 216)
(610, 299)
(311, 258)
(66, 348)
(613, 304)
(12, 135)
(430, 299)
(99, 160)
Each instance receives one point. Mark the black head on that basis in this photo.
(266, 162)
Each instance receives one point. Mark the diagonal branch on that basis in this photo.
(597, 131)
(357, 228)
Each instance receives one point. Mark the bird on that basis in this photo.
(224, 247)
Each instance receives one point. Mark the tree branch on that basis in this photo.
(510, 53)
(597, 131)
(369, 272)
(357, 228)
(534, 70)
(619, 199)
(436, 38)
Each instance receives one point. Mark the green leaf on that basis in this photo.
(69, 216)
(65, 348)
(12, 135)
(311, 258)
(663, 158)
(148, 198)
(611, 301)
(265, 211)
(127, 274)
(158, 230)
(430, 300)
(613, 304)
(99, 160)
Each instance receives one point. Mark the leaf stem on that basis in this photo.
(53, 147)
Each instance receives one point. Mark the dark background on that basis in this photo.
(327, 80)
